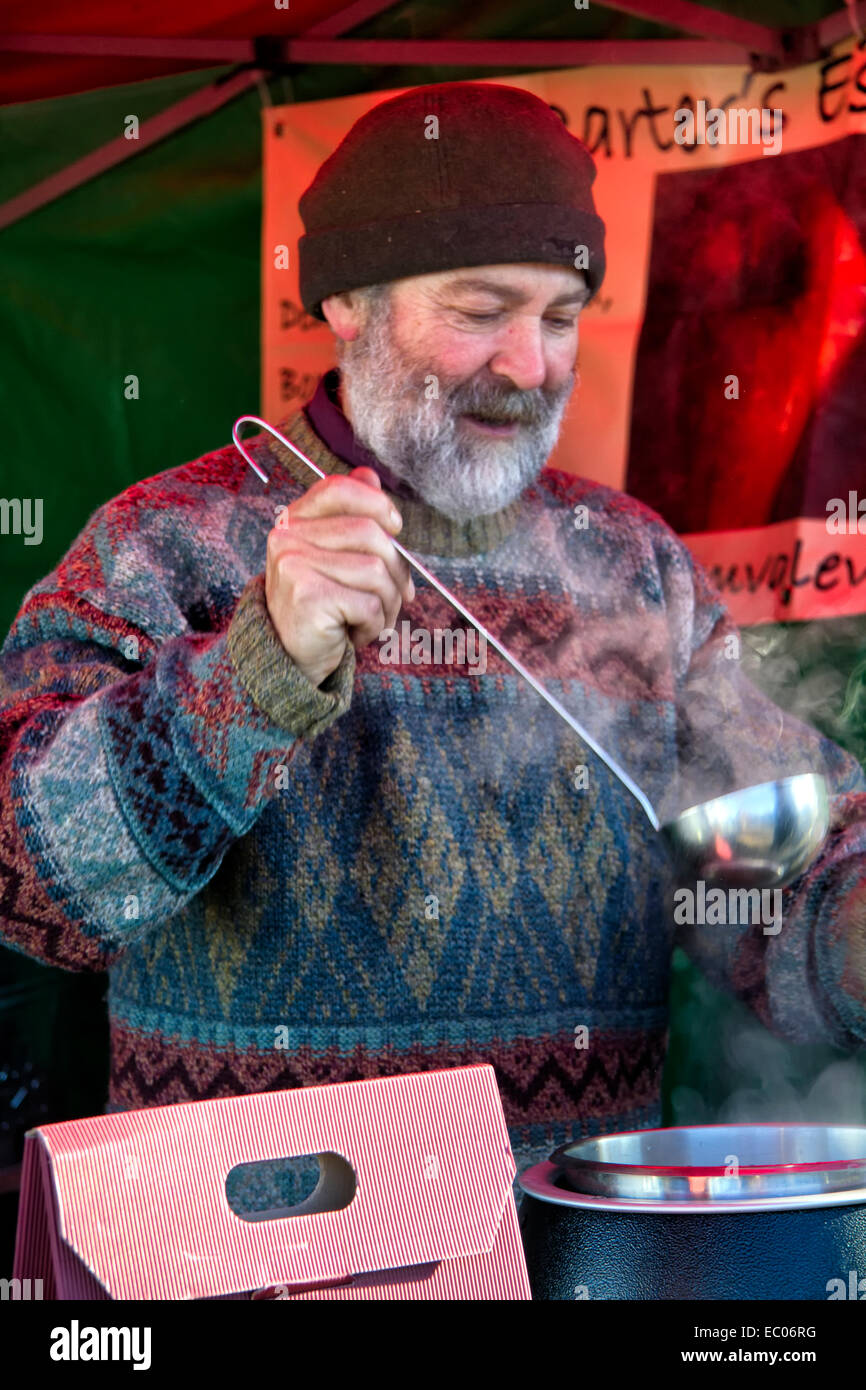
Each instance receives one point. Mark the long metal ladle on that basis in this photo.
(758, 837)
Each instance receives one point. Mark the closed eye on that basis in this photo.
(560, 324)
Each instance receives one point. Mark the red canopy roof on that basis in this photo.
(58, 47)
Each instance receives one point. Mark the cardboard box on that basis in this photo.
(414, 1199)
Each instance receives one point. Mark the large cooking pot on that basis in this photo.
(752, 1211)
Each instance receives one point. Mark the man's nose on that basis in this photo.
(520, 356)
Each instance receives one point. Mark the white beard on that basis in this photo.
(421, 438)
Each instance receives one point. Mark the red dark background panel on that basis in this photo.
(758, 270)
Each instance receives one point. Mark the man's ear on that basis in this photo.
(344, 314)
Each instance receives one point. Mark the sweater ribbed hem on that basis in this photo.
(270, 676)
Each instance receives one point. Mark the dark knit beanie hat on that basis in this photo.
(502, 181)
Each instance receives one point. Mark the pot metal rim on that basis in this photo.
(563, 1159)
(539, 1182)
(748, 1162)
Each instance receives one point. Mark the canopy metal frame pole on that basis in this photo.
(156, 128)
(520, 55)
(716, 38)
(705, 23)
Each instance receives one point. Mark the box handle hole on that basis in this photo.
(302, 1185)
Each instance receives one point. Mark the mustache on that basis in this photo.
(504, 405)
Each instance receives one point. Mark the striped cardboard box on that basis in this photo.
(414, 1199)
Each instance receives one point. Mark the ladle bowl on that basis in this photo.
(758, 837)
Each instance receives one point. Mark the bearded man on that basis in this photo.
(301, 863)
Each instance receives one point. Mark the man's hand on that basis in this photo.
(332, 568)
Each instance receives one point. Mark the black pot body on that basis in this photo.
(805, 1253)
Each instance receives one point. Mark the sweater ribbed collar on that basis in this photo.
(424, 529)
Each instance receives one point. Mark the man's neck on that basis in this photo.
(327, 417)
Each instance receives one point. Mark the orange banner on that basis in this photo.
(792, 570)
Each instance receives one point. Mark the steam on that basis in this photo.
(733, 1069)
(799, 668)
(748, 1075)
(684, 729)
(755, 719)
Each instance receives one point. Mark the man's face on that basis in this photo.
(458, 381)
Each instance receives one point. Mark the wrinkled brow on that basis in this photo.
(508, 294)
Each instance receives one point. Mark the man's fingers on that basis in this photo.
(340, 495)
(367, 574)
(363, 611)
(353, 535)
(332, 568)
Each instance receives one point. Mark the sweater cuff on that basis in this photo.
(270, 676)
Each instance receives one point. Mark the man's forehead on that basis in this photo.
(516, 283)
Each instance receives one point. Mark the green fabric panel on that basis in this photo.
(151, 269)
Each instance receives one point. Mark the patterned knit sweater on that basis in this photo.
(404, 868)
